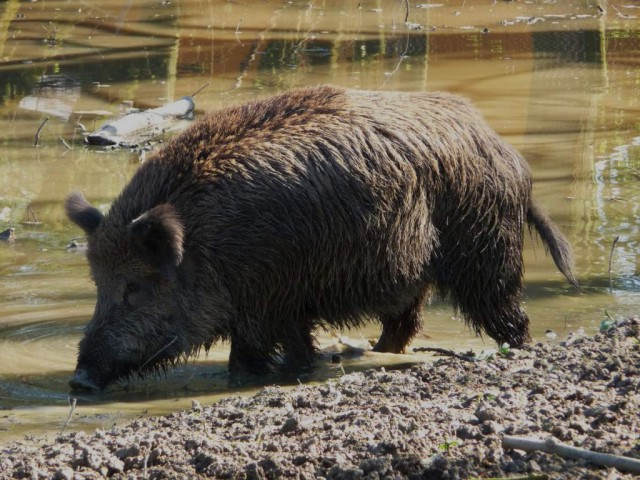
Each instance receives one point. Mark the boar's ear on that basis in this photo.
(82, 213)
(158, 234)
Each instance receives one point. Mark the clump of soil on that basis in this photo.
(443, 420)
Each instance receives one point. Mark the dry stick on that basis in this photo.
(238, 30)
(443, 351)
(33, 214)
(406, 15)
(201, 88)
(533, 476)
(93, 30)
(402, 57)
(615, 241)
(65, 143)
(72, 404)
(37, 139)
(75, 130)
(551, 445)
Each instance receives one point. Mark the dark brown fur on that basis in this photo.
(319, 207)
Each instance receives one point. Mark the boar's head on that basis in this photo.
(135, 326)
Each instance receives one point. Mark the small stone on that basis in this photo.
(290, 425)
(271, 447)
(253, 471)
(65, 473)
(466, 432)
(580, 427)
(561, 433)
(126, 452)
(489, 428)
(114, 465)
(484, 413)
(534, 466)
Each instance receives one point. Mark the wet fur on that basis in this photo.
(325, 207)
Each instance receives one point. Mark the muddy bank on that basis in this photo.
(440, 420)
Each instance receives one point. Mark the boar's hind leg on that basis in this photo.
(487, 289)
(504, 321)
(399, 329)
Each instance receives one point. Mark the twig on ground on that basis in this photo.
(444, 351)
(37, 137)
(532, 476)
(551, 445)
(406, 15)
(615, 241)
(72, 404)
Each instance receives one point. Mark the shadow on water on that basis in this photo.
(191, 379)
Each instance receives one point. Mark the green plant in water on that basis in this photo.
(607, 323)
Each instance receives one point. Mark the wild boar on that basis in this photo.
(320, 207)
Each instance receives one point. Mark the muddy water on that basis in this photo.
(559, 82)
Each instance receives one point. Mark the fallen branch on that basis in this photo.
(65, 143)
(551, 445)
(31, 214)
(532, 476)
(37, 137)
(448, 353)
(139, 127)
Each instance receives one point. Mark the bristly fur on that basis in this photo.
(324, 207)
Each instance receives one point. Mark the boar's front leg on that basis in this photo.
(399, 329)
(248, 359)
(299, 349)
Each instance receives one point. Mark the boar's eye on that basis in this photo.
(131, 293)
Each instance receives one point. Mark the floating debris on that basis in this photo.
(139, 127)
(53, 95)
(76, 245)
(8, 235)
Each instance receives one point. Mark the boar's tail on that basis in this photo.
(554, 241)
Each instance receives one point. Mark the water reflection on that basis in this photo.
(616, 176)
(558, 81)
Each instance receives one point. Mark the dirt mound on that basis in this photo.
(443, 420)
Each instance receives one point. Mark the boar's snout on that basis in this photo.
(81, 381)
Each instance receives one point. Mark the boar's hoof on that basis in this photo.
(81, 381)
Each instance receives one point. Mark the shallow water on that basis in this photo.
(558, 81)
